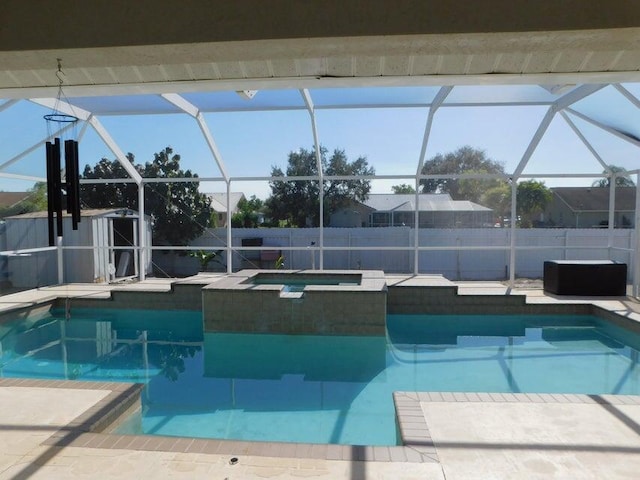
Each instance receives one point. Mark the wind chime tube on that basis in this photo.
(73, 190)
(76, 172)
(57, 186)
(68, 168)
(50, 190)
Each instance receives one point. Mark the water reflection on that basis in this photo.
(335, 389)
(94, 346)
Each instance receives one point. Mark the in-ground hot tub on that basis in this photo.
(297, 301)
(296, 282)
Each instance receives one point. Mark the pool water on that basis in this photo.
(318, 389)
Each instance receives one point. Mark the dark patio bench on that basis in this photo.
(585, 277)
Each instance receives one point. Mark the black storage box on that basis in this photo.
(585, 277)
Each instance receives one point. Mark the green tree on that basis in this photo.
(296, 202)
(403, 188)
(498, 198)
(247, 214)
(178, 210)
(464, 160)
(531, 199)
(623, 179)
(106, 195)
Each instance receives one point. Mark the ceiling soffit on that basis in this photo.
(584, 56)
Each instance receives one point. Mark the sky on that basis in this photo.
(251, 143)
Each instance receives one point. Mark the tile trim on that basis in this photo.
(86, 430)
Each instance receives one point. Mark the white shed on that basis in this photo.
(108, 238)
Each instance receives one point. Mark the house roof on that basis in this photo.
(8, 199)
(429, 202)
(596, 199)
(219, 201)
(90, 212)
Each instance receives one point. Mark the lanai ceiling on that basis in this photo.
(157, 46)
(159, 56)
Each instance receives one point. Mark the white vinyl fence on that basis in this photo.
(458, 254)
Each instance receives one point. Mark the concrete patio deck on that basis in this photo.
(487, 436)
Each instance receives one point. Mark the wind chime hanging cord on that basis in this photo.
(55, 187)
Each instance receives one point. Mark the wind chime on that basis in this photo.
(56, 188)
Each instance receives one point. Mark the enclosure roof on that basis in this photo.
(213, 57)
(383, 202)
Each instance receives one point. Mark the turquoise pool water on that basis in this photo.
(316, 388)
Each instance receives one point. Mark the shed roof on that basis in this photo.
(596, 199)
(8, 199)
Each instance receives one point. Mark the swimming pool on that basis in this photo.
(316, 389)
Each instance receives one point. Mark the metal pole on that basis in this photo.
(512, 247)
(306, 96)
(636, 252)
(416, 231)
(612, 209)
(142, 238)
(229, 249)
(112, 257)
(60, 261)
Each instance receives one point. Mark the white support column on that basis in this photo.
(584, 140)
(628, 95)
(636, 252)
(8, 104)
(142, 237)
(542, 128)
(117, 151)
(416, 229)
(60, 261)
(612, 211)
(229, 237)
(310, 108)
(416, 232)
(512, 246)
(563, 102)
(193, 111)
(606, 128)
(112, 256)
(34, 147)
(437, 102)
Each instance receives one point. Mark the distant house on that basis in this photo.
(219, 204)
(393, 210)
(588, 207)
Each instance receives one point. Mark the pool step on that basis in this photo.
(292, 295)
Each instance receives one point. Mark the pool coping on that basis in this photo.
(370, 281)
(87, 430)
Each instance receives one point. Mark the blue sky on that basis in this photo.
(252, 142)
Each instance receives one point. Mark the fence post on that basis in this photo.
(60, 261)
